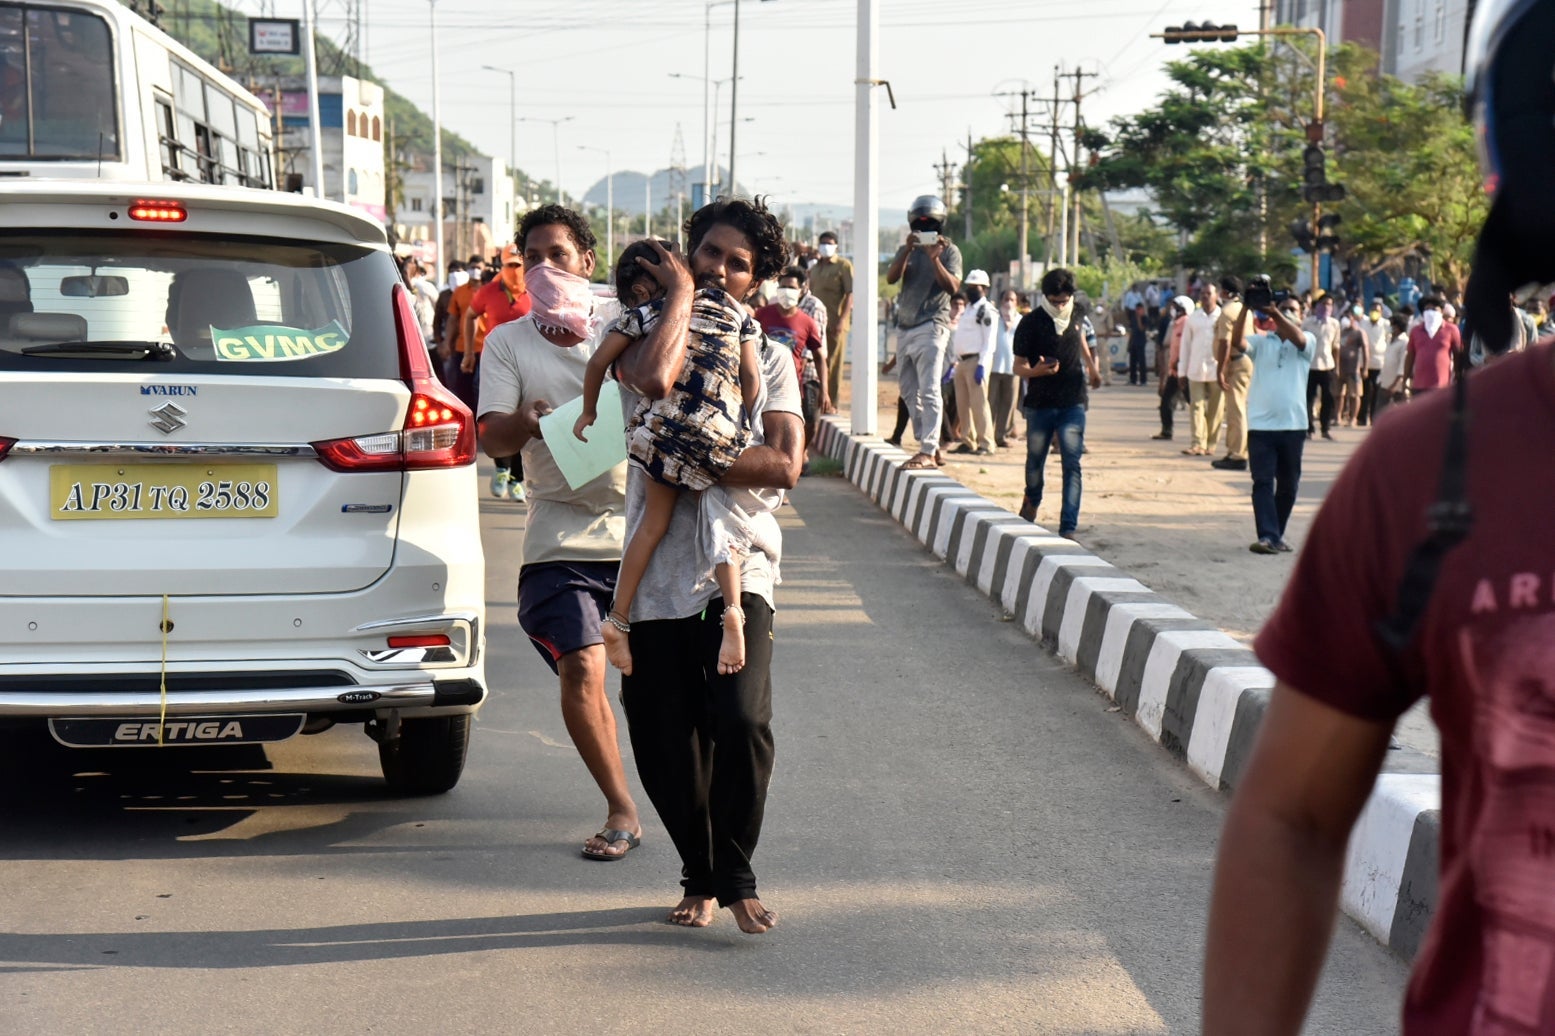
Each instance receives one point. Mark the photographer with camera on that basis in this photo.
(929, 267)
(1281, 355)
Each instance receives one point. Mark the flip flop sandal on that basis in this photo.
(610, 836)
(919, 462)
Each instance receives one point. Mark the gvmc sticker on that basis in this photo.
(275, 343)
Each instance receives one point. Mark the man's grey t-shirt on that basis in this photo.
(670, 588)
(922, 298)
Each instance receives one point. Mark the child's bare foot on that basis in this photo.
(752, 917)
(618, 649)
(731, 653)
(692, 912)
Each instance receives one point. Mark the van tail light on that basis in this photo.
(5, 446)
(439, 430)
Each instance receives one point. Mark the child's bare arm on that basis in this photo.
(750, 373)
(609, 350)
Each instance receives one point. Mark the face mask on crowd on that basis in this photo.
(1432, 319)
(787, 298)
(560, 300)
(827, 250)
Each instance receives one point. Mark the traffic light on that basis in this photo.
(1314, 176)
(1193, 32)
(1327, 232)
(1301, 230)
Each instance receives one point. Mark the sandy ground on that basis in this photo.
(1178, 525)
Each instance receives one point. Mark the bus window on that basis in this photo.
(63, 63)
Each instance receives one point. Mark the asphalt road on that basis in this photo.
(960, 838)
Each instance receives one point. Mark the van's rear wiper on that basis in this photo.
(147, 350)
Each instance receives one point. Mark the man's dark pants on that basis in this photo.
(1320, 381)
(1369, 392)
(703, 742)
(1170, 390)
(1274, 459)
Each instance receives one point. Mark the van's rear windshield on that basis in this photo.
(93, 301)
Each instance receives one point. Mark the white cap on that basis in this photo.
(977, 278)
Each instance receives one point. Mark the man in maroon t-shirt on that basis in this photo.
(786, 324)
(1484, 654)
(494, 303)
(1434, 348)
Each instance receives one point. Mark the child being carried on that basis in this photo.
(686, 441)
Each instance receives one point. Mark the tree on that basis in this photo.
(1408, 161)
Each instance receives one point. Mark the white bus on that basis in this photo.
(91, 90)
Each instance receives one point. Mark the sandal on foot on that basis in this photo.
(610, 836)
(919, 462)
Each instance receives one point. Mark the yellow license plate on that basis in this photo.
(98, 491)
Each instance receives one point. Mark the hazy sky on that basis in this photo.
(607, 64)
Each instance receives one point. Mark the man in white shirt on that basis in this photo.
(972, 343)
(1324, 327)
(1377, 328)
(573, 537)
(1196, 362)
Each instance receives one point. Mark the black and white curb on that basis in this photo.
(1190, 686)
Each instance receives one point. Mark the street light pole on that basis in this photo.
(610, 203)
(437, 152)
(556, 142)
(864, 374)
(512, 129)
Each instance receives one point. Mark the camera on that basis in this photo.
(1259, 295)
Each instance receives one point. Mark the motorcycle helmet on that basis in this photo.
(1511, 98)
(927, 212)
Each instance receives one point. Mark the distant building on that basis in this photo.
(351, 123)
(1413, 36)
(479, 209)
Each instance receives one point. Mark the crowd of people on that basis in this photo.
(1359, 358)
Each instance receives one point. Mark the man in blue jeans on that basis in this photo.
(1051, 350)
(1276, 414)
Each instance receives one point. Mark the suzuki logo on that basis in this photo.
(168, 418)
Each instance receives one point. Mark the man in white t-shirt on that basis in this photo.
(1196, 363)
(1324, 327)
(1377, 328)
(573, 537)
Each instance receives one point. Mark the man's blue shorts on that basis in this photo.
(562, 604)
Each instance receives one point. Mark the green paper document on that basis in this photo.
(583, 462)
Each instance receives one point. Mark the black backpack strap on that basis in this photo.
(1448, 520)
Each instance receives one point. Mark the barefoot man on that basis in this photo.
(703, 741)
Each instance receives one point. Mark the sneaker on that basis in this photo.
(1283, 547)
(963, 448)
(1263, 547)
(499, 482)
(985, 451)
(1229, 464)
(1163, 436)
(516, 491)
(895, 442)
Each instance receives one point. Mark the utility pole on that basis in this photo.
(1052, 169)
(966, 179)
(1023, 246)
(1074, 165)
(947, 176)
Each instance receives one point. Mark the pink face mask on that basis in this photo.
(560, 300)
